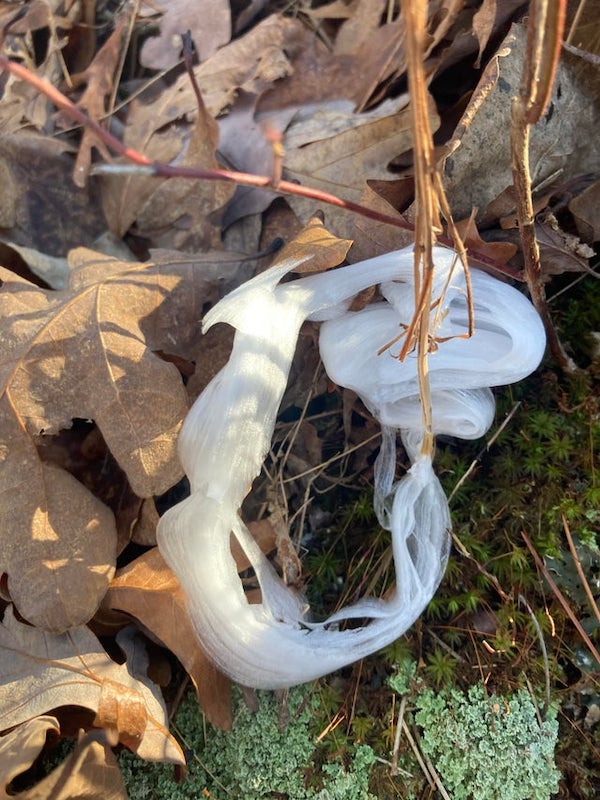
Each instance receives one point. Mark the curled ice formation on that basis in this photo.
(228, 431)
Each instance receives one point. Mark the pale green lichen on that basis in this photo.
(489, 747)
(260, 758)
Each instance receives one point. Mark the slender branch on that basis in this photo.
(147, 166)
(560, 597)
(544, 36)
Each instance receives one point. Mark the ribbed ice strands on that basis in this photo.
(227, 434)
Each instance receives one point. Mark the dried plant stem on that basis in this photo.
(544, 37)
(399, 724)
(430, 200)
(428, 223)
(579, 568)
(561, 598)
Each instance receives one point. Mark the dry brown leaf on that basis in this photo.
(87, 352)
(372, 238)
(251, 63)
(324, 250)
(211, 354)
(182, 214)
(559, 251)
(209, 22)
(40, 208)
(99, 78)
(586, 212)
(318, 75)
(479, 168)
(342, 162)
(497, 251)
(244, 145)
(148, 590)
(91, 772)
(40, 671)
(144, 528)
(361, 25)
(488, 19)
(20, 747)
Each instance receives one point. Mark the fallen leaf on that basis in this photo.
(586, 212)
(181, 213)
(373, 238)
(148, 590)
(250, 152)
(53, 270)
(341, 163)
(87, 352)
(40, 671)
(91, 772)
(20, 747)
(40, 208)
(209, 22)
(324, 250)
(487, 20)
(497, 251)
(561, 251)
(361, 25)
(479, 166)
(144, 528)
(159, 128)
(99, 79)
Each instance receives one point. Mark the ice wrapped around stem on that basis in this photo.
(227, 434)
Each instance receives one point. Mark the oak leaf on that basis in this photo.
(337, 151)
(148, 590)
(91, 772)
(20, 747)
(41, 671)
(87, 352)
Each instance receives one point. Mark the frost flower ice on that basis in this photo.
(227, 434)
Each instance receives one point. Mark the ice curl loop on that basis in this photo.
(227, 434)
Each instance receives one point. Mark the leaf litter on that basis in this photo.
(105, 349)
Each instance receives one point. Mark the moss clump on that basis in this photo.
(489, 747)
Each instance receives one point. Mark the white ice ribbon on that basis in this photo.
(227, 435)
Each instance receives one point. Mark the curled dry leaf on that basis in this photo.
(148, 590)
(87, 352)
(20, 747)
(497, 251)
(182, 213)
(91, 772)
(99, 79)
(40, 671)
(323, 248)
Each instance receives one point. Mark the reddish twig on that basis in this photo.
(162, 170)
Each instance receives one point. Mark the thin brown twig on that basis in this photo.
(579, 568)
(561, 598)
(544, 37)
(148, 167)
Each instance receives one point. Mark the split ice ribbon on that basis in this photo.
(227, 434)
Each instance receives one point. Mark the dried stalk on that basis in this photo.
(544, 38)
